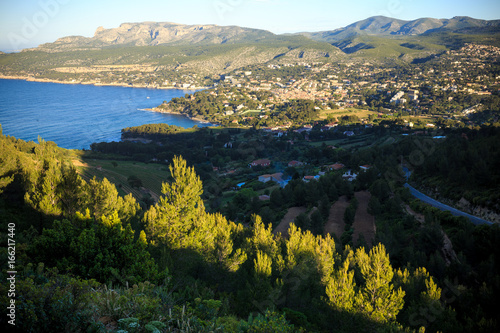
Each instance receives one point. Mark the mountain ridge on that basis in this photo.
(160, 33)
(169, 33)
(387, 26)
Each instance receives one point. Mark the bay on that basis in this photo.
(74, 116)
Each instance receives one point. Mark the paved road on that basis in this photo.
(441, 206)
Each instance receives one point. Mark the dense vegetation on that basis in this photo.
(103, 249)
(89, 259)
(465, 166)
(154, 131)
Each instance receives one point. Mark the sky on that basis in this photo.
(29, 23)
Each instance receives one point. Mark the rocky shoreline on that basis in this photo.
(161, 110)
(94, 83)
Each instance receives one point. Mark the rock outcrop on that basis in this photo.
(482, 212)
(159, 33)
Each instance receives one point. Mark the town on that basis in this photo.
(447, 91)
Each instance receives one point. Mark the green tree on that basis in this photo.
(379, 299)
(71, 191)
(277, 199)
(42, 192)
(176, 211)
(180, 230)
(340, 288)
(8, 161)
(317, 223)
(262, 265)
(263, 241)
(102, 250)
(422, 300)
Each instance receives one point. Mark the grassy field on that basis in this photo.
(337, 143)
(362, 114)
(251, 112)
(152, 175)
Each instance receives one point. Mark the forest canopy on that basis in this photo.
(89, 258)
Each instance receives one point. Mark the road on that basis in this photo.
(434, 203)
(443, 207)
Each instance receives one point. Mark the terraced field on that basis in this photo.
(290, 216)
(335, 224)
(364, 223)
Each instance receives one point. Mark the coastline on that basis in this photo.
(97, 84)
(156, 109)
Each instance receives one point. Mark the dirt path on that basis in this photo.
(289, 218)
(419, 217)
(335, 224)
(364, 223)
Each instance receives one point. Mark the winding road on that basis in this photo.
(434, 203)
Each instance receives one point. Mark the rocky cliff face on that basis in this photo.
(482, 212)
(155, 33)
(150, 33)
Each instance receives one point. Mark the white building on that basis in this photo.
(398, 98)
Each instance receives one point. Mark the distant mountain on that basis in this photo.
(165, 48)
(213, 49)
(154, 33)
(165, 33)
(386, 26)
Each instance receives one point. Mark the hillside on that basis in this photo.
(158, 33)
(189, 259)
(160, 65)
(166, 33)
(386, 26)
(171, 55)
(143, 54)
(381, 37)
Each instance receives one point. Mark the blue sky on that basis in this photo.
(28, 23)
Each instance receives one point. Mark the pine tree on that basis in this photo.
(340, 288)
(42, 189)
(8, 161)
(422, 300)
(262, 265)
(71, 191)
(325, 257)
(379, 299)
(317, 223)
(262, 238)
(277, 199)
(179, 221)
(177, 210)
(103, 197)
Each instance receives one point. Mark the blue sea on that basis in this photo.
(74, 116)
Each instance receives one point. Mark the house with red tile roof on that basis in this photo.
(261, 162)
(337, 166)
(295, 164)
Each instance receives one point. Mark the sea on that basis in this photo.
(74, 116)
